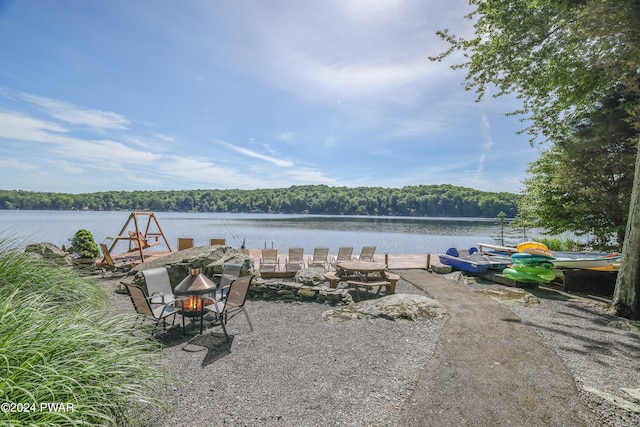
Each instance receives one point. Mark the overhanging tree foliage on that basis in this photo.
(583, 184)
(560, 57)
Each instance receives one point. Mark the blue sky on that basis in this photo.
(199, 94)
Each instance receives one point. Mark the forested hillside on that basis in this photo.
(423, 200)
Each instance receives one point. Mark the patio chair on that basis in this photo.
(344, 254)
(320, 258)
(185, 243)
(233, 304)
(269, 260)
(230, 272)
(366, 253)
(295, 260)
(158, 286)
(143, 308)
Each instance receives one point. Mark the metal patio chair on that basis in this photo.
(158, 286)
(233, 304)
(143, 308)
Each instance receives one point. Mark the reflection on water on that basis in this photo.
(388, 234)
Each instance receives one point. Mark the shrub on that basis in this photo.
(84, 244)
(59, 343)
(564, 244)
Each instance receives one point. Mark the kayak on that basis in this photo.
(523, 247)
(534, 248)
(527, 258)
(598, 263)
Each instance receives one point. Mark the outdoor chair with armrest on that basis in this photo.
(230, 272)
(233, 304)
(344, 254)
(158, 286)
(143, 308)
(320, 258)
(295, 260)
(366, 253)
(269, 260)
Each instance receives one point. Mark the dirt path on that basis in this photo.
(489, 369)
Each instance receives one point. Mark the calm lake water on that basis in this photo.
(394, 235)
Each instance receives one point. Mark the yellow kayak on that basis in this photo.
(535, 248)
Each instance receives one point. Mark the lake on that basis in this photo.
(394, 235)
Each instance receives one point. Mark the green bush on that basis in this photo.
(60, 344)
(84, 244)
(563, 244)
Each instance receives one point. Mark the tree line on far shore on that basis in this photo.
(422, 200)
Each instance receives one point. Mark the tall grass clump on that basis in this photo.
(60, 345)
(563, 244)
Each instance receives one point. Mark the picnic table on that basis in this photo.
(365, 274)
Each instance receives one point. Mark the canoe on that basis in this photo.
(471, 261)
(598, 263)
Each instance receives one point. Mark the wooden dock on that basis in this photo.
(393, 261)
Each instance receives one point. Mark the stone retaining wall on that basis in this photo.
(292, 291)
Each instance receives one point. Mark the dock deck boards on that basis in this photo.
(395, 261)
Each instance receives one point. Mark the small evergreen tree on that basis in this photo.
(84, 244)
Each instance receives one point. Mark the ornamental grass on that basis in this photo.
(64, 359)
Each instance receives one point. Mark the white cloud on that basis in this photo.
(17, 126)
(12, 163)
(68, 167)
(165, 137)
(485, 128)
(192, 170)
(308, 176)
(72, 114)
(250, 153)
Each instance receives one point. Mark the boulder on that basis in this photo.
(310, 276)
(50, 252)
(209, 258)
(392, 307)
(512, 295)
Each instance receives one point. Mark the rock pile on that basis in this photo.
(392, 307)
(50, 252)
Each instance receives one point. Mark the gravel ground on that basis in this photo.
(599, 350)
(295, 369)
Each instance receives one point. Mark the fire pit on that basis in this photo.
(193, 287)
